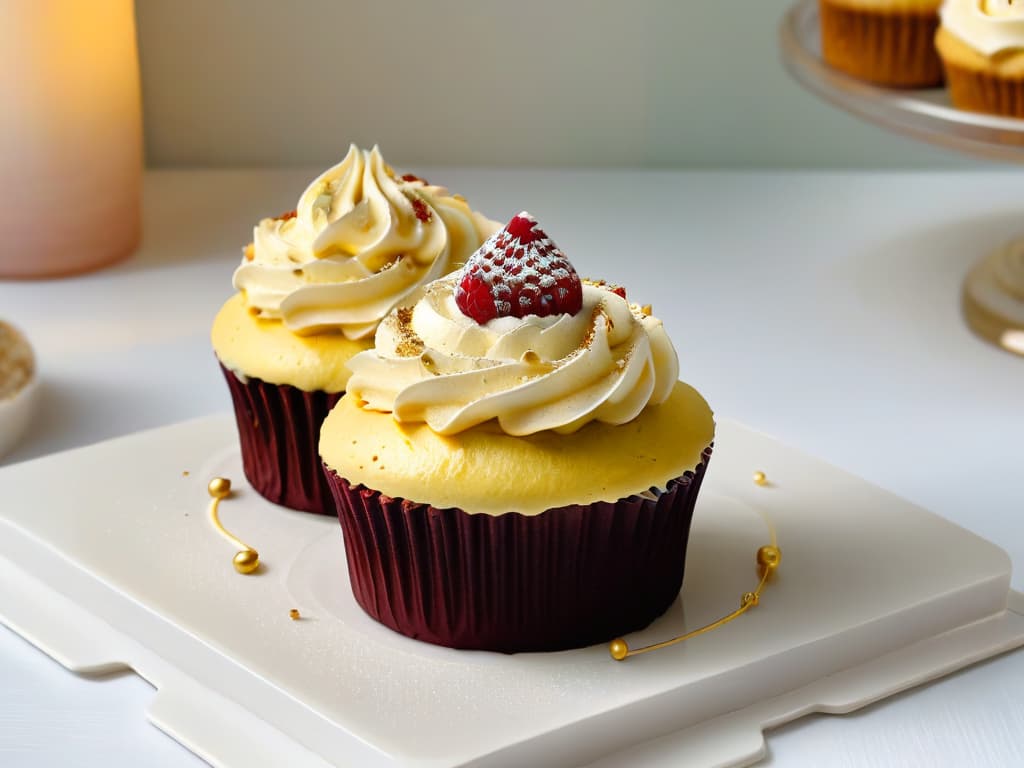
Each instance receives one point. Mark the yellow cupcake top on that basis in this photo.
(264, 349)
(483, 470)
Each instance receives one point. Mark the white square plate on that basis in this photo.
(873, 596)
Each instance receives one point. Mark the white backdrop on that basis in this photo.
(651, 83)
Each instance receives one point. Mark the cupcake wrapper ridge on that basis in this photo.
(566, 578)
(890, 48)
(978, 91)
(279, 432)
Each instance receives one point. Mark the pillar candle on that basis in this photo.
(70, 136)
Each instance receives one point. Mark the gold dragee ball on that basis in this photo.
(618, 649)
(247, 561)
(769, 557)
(219, 487)
(760, 478)
(749, 598)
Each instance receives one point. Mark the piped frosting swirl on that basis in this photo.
(434, 364)
(360, 243)
(987, 26)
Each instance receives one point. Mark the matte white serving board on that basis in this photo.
(108, 559)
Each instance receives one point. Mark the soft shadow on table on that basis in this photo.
(915, 278)
(834, 727)
(107, 673)
(62, 403)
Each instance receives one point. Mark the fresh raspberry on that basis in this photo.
(519, 271)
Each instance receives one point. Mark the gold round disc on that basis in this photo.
(769, 557)
(219, 487)
(618, 649)
(247, 561)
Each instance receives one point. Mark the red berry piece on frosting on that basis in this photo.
(421, 210)
(519, 271)
(618, 290)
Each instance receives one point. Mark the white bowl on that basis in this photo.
(16, 413)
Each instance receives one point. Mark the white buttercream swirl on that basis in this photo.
(361, 242)
(435, 365)
(987, 26)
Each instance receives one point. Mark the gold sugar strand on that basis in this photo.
(768, 559)
(247, 559)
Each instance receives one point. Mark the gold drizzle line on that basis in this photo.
(768, 559)
(247, 559)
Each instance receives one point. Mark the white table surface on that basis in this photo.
(822, 308)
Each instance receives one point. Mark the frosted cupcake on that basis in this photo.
(312, 287)
(515, 462)
(982, 47)
(887, 42)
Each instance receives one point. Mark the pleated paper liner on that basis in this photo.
(279, 431)
(978, 91)
(890, 48)
(569, 577)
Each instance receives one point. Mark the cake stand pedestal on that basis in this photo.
(993, 291)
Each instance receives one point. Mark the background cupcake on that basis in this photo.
(888, 42)
(312, 287)
(982, 47)
(516, 464)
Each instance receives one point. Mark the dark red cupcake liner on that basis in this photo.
(569, 577)
(279, 431)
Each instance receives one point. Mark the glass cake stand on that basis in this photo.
(993, 291)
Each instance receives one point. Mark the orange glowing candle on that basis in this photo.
(70, 136)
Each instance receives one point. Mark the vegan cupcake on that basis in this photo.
(515, 463)
(981, 43)
(312, 287)
(887, 42)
